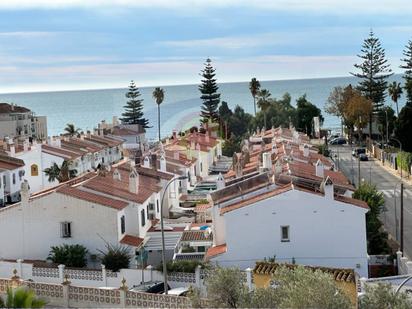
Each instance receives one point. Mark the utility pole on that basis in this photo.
(359, 178)
(402, 218)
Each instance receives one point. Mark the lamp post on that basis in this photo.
(163, 233)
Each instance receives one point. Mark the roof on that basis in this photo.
(255, 199)
(10, 163)
(60, 152)
(131, 240)
(153, 173)
(216, 250)
(92, 197)
(9, 108)
(352, 201)
(339, 274)
(196, 236)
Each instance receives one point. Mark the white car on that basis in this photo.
(182, 291)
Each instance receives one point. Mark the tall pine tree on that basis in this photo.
(407, 76)
(373, 75)
(209, 95)
(133, 113)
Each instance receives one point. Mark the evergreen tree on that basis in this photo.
(373, 75)
(133, 113)
(407, 76)
(209, 95)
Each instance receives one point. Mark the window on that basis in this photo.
(122, 224)
(34, 170)
(157, 205)
(147, 212)
(66, 229)
(4, 181)
(201, 167)
(14, 178)
(143, 217)
(284, 230)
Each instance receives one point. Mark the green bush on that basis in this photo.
(182, 266)
(69, 255)
(21, 298)
(404, 160)
(115, 257)
(323, 150)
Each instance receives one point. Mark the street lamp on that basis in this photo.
(163, 233)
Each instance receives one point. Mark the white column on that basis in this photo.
(197, 276)
(104, 275)
(398, 261)
(249, 278)
(403, 265)
(150, 269)
(409, 267)
(61, 272)
(20, 268)
(362, 284)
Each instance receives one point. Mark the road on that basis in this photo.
(372, 171)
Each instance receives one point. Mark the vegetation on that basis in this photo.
(383, 296)
(373, 73)
(182, 266)
(115, 257)
(264, 104)
(296, 288)
(69, 255)
(133, 113)
(305, 112)
(158, 95)
(209, 95)
(254, 87)
(407, 76)
(404, 160)
(376, 237)
(395, 91)
(403, 127)
(71, 130)
(21, 298)
(60, 173)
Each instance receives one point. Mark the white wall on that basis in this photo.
(34, 156)
(33, 229)
(323, 232)
(47, 160)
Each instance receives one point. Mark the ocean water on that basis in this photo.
(179, 110)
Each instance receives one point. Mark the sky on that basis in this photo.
(87, 44)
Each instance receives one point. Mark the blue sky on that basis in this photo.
(73, 44)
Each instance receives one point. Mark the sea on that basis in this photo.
(181, 106)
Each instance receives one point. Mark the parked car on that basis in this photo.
(358, 151)
(338, 141)
(363, 157)
(182, 291)
(155, 287)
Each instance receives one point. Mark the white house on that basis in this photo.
(256, 218)
(11, 178)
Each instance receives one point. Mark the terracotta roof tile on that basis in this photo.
(6, 108)
(92, 197)
(216, 250)
(10, 163)
(131, 240)
(196, 236)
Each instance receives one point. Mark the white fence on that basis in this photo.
(404, 264)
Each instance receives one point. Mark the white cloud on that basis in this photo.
(26, 34)
(336, 6)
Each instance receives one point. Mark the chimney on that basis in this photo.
(306, 151)
(12, 149)
(192, 144)
(162, 164)
(116, 174)
(25, 193)
(82, 136)
(174, 134)
(328, 188)
(207, 139)
(153, 160)
(115, 121)
(319, 169)
(220, 183)
(146, 162)
(278, 169)
(267, 160)
(176, 155)
(134, 181)
(274, 148)
(26, 144)
(12, 107)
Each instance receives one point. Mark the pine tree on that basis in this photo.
(407, 76)
(374, 72)
(133, 113)
(209, 95)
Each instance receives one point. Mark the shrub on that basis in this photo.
(115, 257)
(69, 255)
(22, 298)
(182, 266)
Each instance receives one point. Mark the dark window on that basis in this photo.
(157, 205)
(14, 178)
(122, 224)
(66, 229)
(143, 217)
(284, 233)
(201, 167)
(147, 212)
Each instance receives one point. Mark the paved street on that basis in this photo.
(372, 171)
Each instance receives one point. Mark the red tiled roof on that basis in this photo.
(6, 108)
(9, 163)
(216, 250)
(255, 199)
(92, 197)
(351, 201)
(153, 173)
(202, 207)
(60, 152)
(196, 236)
(131, 240)
(103, 140)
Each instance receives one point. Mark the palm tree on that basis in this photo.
(60, 173)
(395, 91)
(263, 103)
(71, 130)
(22, 298)
(158, 95)
(254, 87)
